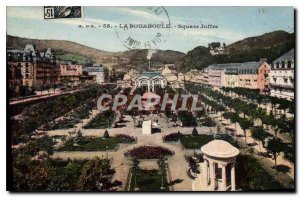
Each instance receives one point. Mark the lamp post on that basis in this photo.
(195, 146)
(106, 152)
(162, 170)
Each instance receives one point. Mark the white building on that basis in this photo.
(99, 72)
(150, 80)
(282, 76)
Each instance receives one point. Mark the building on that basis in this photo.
(215, 48)
(218, 167)
(150, 80)
(71, 73)
(128, 79)
(232, 77)
(254, 75)
(14, 63)
(31, 68)
(205, 76)
(282, 76)
(174, 79)
(169, 73)
(99, 72)
(216, 75)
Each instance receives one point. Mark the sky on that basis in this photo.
(234, 23)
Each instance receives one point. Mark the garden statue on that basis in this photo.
(77, 138)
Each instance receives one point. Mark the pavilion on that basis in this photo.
(150, 80)
(217, 172)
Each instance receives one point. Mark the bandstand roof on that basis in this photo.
(150, 95)
(220, 149)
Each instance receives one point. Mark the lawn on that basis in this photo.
(99, 122)
(92, 144)
(149, 180)
(75, 58)
(191, 142)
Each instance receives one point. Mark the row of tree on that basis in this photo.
(238, 111)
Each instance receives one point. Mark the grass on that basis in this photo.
(99, 122)
(92, 144)
(149, 180)
(250, 175)
(75, 58)
(191, 142)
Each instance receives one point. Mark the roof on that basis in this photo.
(150, 74)
(250, 65)
(96, 68)
(14, 51)
(287, 56)
(30, 48)
(48, 53)
(220, 149)
(150, 95)
(223, 66)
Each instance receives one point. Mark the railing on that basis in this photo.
(282, 85)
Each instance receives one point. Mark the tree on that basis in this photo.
(194, 132)
(105, 135)
(258, 133)
(276, 146)
(234, 118)
(96, 175)
(135, 170)
(245, 124)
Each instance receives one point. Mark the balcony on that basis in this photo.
(282, 86)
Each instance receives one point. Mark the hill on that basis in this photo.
(67, 50)
(269, 45)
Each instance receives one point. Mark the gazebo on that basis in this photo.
(217, 172)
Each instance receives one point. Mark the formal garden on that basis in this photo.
(35, 170)
(72, 118)
(149, 180)
(149, 152)
(34, 116)
(47, 174)
(101, 121)
(104, 143)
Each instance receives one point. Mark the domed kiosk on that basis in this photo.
(217, 172)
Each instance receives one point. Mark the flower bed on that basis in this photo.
(149, 152)
(97, 144)
(172, 137)
(208, 122)
(191, 142)
(149, 180)
(101, 121)
(126, 138)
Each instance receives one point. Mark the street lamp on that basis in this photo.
(162, 170)
(106, 152)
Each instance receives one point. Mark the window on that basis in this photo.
(282, 64)
(289, 64)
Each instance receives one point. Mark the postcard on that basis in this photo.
(150, 99)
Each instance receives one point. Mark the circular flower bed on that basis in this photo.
(149, 152)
